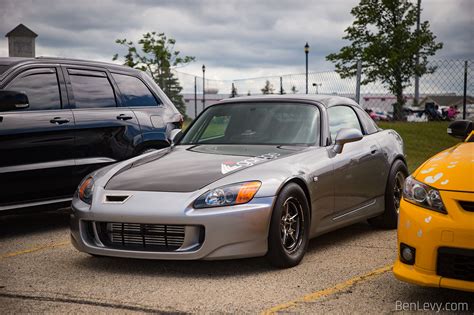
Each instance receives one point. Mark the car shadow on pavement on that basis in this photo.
(204, 269)
(31, 223)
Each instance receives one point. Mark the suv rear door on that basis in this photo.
(105, 131)
(36, 143)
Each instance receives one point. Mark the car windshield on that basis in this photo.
(256, 123)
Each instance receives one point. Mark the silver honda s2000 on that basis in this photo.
(250, 176)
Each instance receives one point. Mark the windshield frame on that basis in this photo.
(319, 107)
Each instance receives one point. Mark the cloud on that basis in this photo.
(235, 39)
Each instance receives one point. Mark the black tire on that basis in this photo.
(393, 194)
(290, 201)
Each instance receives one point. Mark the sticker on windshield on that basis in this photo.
(230, 166)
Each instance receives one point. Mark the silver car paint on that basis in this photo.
(242, 231)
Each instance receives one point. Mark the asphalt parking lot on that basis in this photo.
(345, 271)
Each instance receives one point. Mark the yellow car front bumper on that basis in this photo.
(432, 234)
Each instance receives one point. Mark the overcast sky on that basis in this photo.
(234, 39)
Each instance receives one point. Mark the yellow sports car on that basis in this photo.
(436, 220)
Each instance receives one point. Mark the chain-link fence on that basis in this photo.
(442, 94)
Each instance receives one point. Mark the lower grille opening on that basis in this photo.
(455, 263)
(153, 237)
(467, 205)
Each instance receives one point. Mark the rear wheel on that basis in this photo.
(289, 228)
(393, 195)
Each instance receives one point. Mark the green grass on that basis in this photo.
(422, 140)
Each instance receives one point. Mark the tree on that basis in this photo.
(294, 90)
(156, 55)
(268, 88)
(384, 38)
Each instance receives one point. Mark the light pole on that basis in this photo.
(195, 98)
(203, 87)
(317, 85)
(306, 51)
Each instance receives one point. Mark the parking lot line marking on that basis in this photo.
(34, 249)
(326, 292)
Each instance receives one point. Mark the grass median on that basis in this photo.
(422, 140)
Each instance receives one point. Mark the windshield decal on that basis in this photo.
(230, 166)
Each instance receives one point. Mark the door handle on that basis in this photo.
(124, 117)
(59, 120)
(373, 149)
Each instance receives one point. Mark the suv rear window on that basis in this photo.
(92, 91)
(134, 91)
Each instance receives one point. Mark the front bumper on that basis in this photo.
(430, 232)
(214, 233)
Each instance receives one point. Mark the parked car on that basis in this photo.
(378, 115)
(436, 227)
(60, 119)
(251, 176)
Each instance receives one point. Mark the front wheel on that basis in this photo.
(289, 228)
(393, 195)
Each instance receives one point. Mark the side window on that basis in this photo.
(134, 91)
(342, 117)
(91, 89)
(369, 124)
(41, 87)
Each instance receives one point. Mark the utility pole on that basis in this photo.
(417, 61)
(464, 99)
(358, 78)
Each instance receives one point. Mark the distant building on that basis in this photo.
(21, 42)
(381, 102)
(445, 100)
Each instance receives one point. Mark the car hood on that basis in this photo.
(452, 169)
(189, 168)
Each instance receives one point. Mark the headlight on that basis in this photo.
(228, 195)
(85, 190)
(423, 195)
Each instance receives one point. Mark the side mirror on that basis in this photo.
(344, 136)
(12, 100)
(175, 135)
(460, 129)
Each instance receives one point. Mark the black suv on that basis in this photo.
(60, 119)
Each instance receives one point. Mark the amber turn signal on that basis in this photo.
(247, 191)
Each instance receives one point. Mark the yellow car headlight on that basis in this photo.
(423, 195)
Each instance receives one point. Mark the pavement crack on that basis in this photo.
(84, 301)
